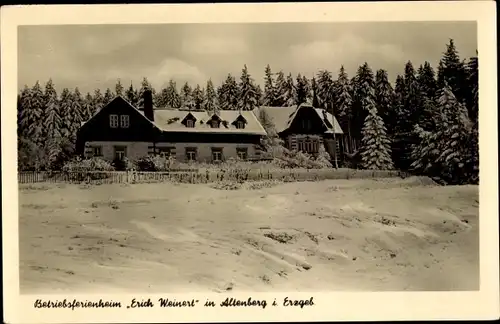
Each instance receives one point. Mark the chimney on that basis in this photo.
(148, 105)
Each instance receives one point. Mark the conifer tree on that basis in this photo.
(302, 90)
(314, 88)
(186, 96)
(76, 113)
(259, 94)
(98, 100)
(172, 98)
(472, 80)
(451, 151)
(248, 93)
(52, 123)
(281, 90)
(33, 114)
(326, 90)
(452, 71)
(198, 97)
(375, 144)
(427, 80)
(343, 104)
(88, 107)
(269, 88)
(65, 103)
(384, 95)
(22, 104)
(210, 97)
(290, 93)
(145, 85)
(108, 96)
(228, 95)
(131, 95)
(363, 89)
(428, 87)
(119, 88)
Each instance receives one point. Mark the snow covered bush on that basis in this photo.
(153, 163)
(86, 165)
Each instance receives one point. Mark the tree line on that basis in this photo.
(426, 122)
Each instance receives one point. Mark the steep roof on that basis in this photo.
(170, 120)
(282, 117)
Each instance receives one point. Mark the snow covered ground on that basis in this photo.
(337, 235)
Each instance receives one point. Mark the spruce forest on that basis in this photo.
(425, 123)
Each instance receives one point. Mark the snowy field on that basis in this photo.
(368, 235)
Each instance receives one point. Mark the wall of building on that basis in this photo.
(204, 150)
(137, 150)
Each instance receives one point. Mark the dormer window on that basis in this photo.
(240, 124)
(214, 123)
(189, 121)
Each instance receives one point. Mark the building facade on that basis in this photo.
(120, 130)
(305, 128)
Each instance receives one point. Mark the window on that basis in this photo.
(113, 121)
(306, 124)
(190, 123)
(216, 154)
(166, 152)
(191, 153)
(240, 124)
(242, 153)
(120, 152)
(96, 151)
(214, 124)
(308, 145)
(124, 121)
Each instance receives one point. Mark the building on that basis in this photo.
(121, 130)
(304, 128)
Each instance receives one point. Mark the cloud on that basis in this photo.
(214, 46)
(348, 50)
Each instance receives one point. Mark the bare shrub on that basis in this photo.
(281, 237)
(226, 185)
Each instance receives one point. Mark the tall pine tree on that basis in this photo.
(186, 96)
(343, 102)
(248, 95)
(198, 97)
(363, 89)
(228, 94)
(119, 88)
(210, 98)
(281, 89)
(302, 90)
(375, 144)
(269, 88)
(384, 95)
(131, 95)
(452, 71)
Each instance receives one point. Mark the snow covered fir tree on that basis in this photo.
(425, 122)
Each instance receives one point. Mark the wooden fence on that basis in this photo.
(200, 176)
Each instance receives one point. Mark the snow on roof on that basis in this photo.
(282, 117)
(170, 120)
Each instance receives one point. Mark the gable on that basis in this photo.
(305, 120)
(99, 128)
(189, 116)
(240, 118)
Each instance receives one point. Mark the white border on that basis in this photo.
(483, 304)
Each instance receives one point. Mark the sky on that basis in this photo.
(95, 56)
